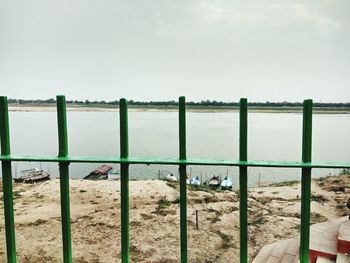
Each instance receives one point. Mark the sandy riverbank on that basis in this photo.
(154, 220)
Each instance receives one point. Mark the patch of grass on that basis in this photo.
(226, 240)
(172, 185)
(17, 194)
(37, 195)
(211, 199)
(163, 203)
(317, 218)
(215, 219)
(321, 179)
(285, 183)
(135, 223)
(203, 188)
(296, 215)
(258, 220)
(340, 206)
(337, 188)
(319, 198)
(36, 223)
(261, 200)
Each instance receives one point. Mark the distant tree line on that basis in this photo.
(174, 103)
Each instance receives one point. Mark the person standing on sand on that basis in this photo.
(348, 206)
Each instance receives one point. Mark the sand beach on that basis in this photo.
(274, 213)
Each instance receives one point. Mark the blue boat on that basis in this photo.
(195, 181)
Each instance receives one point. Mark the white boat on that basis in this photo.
(171, 177)
(226, 184)
(195, 181)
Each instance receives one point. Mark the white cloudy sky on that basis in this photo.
(271, 50)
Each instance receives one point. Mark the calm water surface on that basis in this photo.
(272, 136)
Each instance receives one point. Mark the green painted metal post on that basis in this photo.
(7, 182)
(124, 180)
(64, 178)
(183, 177)
(306, 182)
(243, 178)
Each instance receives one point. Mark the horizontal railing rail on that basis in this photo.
(64, 159)
(170, 161)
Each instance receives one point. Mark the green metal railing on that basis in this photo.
(124, 160)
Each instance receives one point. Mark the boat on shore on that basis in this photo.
(101, 173)
(196, 181)
(171, 177)
(32, 176)
(114, 175)
(226, 184)
(214, 182)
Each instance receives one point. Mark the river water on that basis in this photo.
(271, 136)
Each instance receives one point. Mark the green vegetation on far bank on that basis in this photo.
(203, 103)
(194, 106)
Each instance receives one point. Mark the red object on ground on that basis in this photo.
(313, 255)
(103, 169)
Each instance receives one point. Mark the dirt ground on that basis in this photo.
(274, 213)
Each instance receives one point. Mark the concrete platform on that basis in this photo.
(329, 242)
(343, 243)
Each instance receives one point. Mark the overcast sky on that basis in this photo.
(270, 50)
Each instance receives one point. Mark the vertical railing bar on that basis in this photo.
(183, 177)
(7, 182)
(243, 174)
(306, 182)
(124, 180)
(64, 178)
